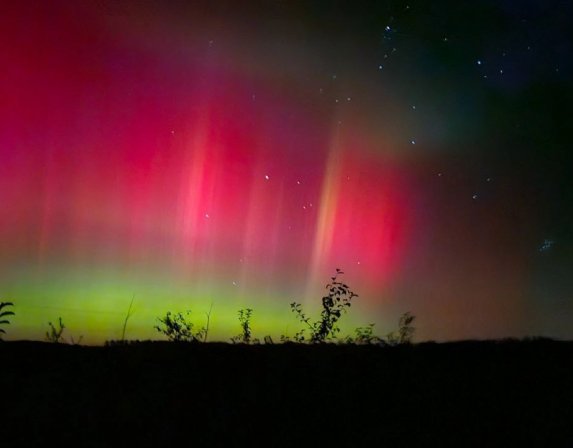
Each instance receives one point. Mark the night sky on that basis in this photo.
(235, 153)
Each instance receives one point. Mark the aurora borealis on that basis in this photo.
(237, 153)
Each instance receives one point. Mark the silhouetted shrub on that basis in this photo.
(333, 305)
(177, 328)
(365, 336)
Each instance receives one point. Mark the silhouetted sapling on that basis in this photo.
(333, 305)
(177, 328)
(245, 322)
(3, 315)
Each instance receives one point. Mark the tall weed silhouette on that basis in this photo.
(54, 334)
(334, 305)
(127, 316)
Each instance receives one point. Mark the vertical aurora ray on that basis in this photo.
(328, 202)
(361, 224)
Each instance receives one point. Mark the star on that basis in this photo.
(547, 244)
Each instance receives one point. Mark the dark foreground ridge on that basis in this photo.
(162, 394)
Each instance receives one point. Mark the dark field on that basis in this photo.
(167, 394)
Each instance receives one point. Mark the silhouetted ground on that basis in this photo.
(160, 394)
